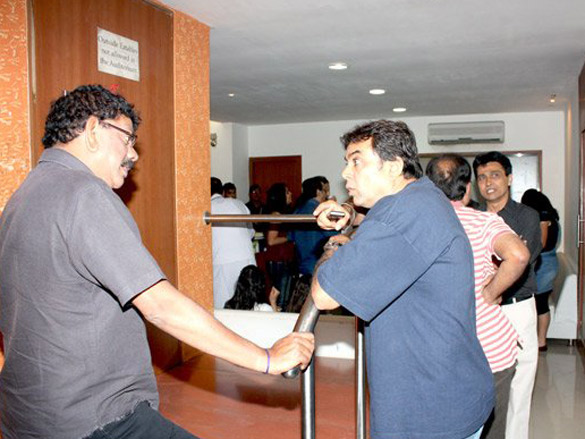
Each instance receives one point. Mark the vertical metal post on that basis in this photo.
(308, 402)
(360, 381)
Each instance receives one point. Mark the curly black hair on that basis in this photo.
(250, 289)
(68, 114)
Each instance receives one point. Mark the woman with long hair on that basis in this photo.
(547, 265)
(250, 292)
(279, 257)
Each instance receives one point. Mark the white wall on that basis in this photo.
(229, 158)
(240, 161)
(319, 145)
(221, 154)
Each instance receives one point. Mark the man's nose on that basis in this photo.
(345, 173)
(133, 154)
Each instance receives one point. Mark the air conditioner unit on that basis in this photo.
(466, 132)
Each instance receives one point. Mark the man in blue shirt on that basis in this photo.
(309, 238)
(408, 273)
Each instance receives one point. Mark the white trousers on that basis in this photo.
(523, 317)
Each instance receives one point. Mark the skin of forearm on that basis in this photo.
(515, 257)
(185, 320)
(274, 239)
(504, 278)
(321, 299)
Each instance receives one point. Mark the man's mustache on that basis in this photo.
(127, 163)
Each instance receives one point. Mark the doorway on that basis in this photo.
(266, 171)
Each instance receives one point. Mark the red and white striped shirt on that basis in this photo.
(495, 332)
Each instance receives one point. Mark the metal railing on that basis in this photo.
(306, 322)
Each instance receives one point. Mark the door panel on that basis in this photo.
(64, 56)
(266, 171)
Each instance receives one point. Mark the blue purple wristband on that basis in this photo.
(267, 361)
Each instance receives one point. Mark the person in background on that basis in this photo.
(257, 207)
(547, 265)
(309, 238)
(230, 191)
(280, 251)
(255, 204)
(77, 282)
(231, 245)
(491, 239)
(493, 173)
(250, 292)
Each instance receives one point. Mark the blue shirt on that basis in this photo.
(409, 274)
(309, 239)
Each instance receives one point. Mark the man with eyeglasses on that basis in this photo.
(76, 279)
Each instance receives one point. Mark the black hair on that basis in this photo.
(451, 173)
(250, 289)
(69, 114)
(228, 186)
(310, 188)
(539, 202)
(492, 156)
(276, 199)
(254, 187)
(216, 186)
(390, 140)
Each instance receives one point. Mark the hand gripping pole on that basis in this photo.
(305, 323)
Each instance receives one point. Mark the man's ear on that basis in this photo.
(395, 166)
(510, 179)
(91, 134)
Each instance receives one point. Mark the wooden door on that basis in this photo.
(266, 171)
(64, 56)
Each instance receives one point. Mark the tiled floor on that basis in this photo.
(558, 405)
(216, 400)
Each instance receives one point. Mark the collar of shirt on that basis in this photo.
(59, 155)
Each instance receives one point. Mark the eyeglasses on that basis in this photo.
(131, 137)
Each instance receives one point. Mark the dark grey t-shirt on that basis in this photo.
(71, 260)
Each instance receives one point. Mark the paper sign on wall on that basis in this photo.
(118, 55)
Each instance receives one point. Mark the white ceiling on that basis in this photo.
(435, 57)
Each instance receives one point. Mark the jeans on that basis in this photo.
(143, 423)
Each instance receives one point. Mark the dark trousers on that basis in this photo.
(143, 423)
(495, 426)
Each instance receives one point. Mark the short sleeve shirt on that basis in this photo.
(525, 222)
(71, 261)
(409, 274)
(495, 332)
(309, 239)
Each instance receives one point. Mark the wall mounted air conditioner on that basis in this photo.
(466, 132)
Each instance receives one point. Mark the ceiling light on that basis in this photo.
(553, 98)
(377, 91)
(231, 95)
(399, 109)
(338, 66)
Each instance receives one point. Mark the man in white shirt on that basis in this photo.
(231, 244)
